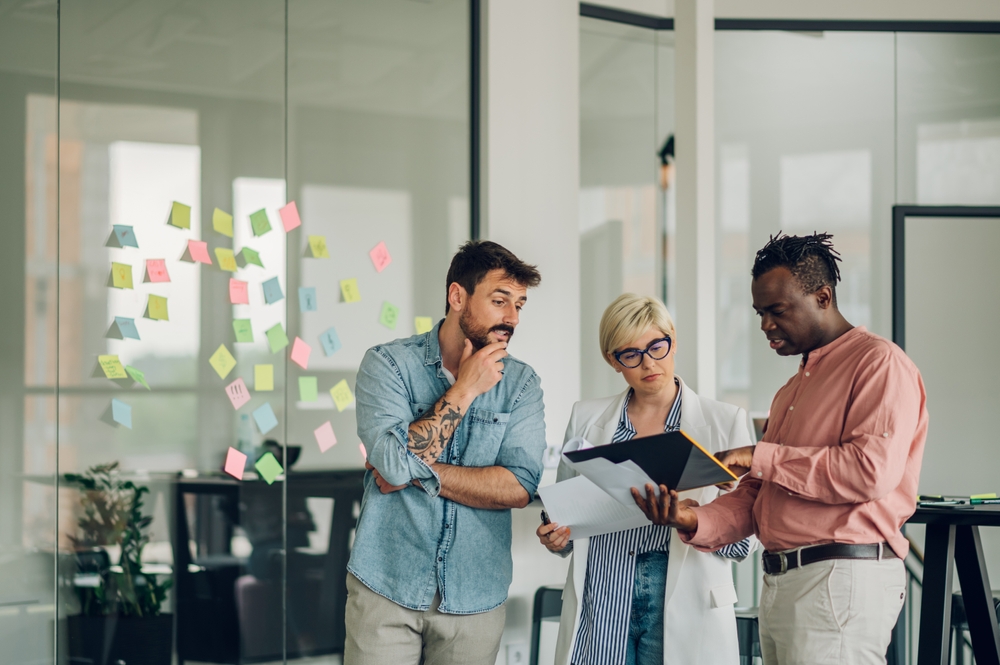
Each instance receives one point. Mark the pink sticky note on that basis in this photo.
(238, 292)
(156, 270)
(198, 251)
(380, 256)
(364, 453)
(290, 217)
(238, 393)
(300, 353)
(325, 436)
(235, 461)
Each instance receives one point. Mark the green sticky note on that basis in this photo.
(248, 257)
(180, 215)
(259, 222)
(389, 315)
(137, 376)
(308, 389)
(276, 338)
(243, 330)
(268, 468)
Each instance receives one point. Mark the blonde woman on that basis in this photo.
(641, 596)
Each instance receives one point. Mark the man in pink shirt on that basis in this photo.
(833, 480)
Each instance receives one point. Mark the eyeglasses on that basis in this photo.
(632, 358)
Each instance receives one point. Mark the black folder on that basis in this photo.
(673, 459)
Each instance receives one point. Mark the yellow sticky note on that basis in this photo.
(423, 324)
(317, 246)
(263, 377)
(180, 215)
(121, 275)
(113, 368)
(222, 222)
(222, 361)
(156, 308)
(226, 259)
(349, 290)
(341, 394)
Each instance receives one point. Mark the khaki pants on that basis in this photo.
(840, 611)
(380, 632)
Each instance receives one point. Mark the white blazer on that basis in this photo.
(699, 621)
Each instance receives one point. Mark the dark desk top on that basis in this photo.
(978, 515)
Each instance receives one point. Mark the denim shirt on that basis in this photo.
(412, 543)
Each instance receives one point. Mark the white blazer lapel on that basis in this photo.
(603, 428)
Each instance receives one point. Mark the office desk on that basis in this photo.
(952, 542)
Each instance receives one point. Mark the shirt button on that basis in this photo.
(807, 373)
(440, 559)
(632, 553)
(447, 525)
(760, 474)
(885, 434)
(791, 408)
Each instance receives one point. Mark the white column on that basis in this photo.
(694, 26)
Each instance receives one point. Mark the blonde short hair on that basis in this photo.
(628, 318)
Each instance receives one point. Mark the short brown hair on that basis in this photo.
(478, 257)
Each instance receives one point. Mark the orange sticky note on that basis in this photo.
(300, 353)
(235, 462)
(238, 294)
(380, 256)
(156, 271)
(290, 217)
(197, 252)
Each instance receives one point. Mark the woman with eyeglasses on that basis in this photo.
(641, 596)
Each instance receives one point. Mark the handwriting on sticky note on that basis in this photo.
(122, 236)
(290, 217)
(237, 393)
(272, 291)
(156, 271)
(349, 290)
(238, 294)
(226, 259)
(235, 463)
(222, 361)
(380, 256)
(423, 324)
(222, 222)
(276, 338)
(317, 247)
(121, 412)
(197, 252)
(112, 367)
(138, 376)
(259, 222)
(263, 377)
(180, 215)
(243, 330)
(341, 394)
(268, 467)
(249, 257)
(330, 341)
(300, 353)
(121, 275)
(325, 437)
(265, 418)
(388, 315)
(308, 389)
(156, 308)
(307, 298)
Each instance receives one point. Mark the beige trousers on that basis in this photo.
(840, 611)
(380, 632)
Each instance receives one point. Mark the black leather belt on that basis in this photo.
(782, 562)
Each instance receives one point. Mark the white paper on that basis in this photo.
(615, 479)
(587, 509)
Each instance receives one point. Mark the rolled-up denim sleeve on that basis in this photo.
(384, 417)
(524, 439)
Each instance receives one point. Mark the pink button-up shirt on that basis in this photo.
(840, 459)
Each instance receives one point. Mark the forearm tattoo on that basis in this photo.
(431, 432)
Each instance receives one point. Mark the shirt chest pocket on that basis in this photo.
(484, 434)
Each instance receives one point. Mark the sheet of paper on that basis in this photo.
(364, 453)
(268, 467)
(272, 291)
(380, 256)
(222, 222)
(124, 328)
(180, 215)
(349, 290)
(222, 361)
(226, 259)
(308, 389)
(235, 463)
(317, 248)
(156, 271)
(112, 367)
(122, 236)
(423, 324)
(300, 353)
(263, 377)
(238, 293)
(330, 341)
(237, 393)
(259, 222)
(617, 480)
(290, 217)
(587, 509)
(325, 437)
(121, 275)
(243, 330)
(121, 412)
(341, 394)
(138, 376)
(276, 338)
(388, 315)
(307, 298)
(264, 417)
(156, 308)
(249, 257)
(197, 252)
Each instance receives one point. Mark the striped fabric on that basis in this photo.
(607, 594)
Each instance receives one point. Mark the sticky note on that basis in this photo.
(122, 236)
(156, 308)
(123, 328)
(300, 353)
(325, 437)
(156, 271)
(235, 461)
(263, 377)
(388, 315)
(197, 252)
(237, 393)
(121, 412)
(423, 324)
(364, 453)
(121, 275)
(349, 290)
(308, 389)
(276, 338)
(341, 394)
(307, 298)
(330, 341)
(268, 467)
(380, 256)
(112, 367)
(290, 217)
(226, 259)
(222, 361)
(248, 257)
(238, 294)
(243, 330)
(222, 222)
(259, 222)
(180, 215)
(264, 417)
(138, 376)
(272, 291)
(317, 247)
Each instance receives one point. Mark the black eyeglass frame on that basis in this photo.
(618, 354)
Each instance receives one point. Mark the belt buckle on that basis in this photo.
(784, 563)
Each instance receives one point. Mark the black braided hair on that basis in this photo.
(811, 259)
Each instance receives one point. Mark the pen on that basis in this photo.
(545, 518)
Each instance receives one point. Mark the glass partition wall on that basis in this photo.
(180, 483)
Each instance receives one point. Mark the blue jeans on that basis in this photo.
(645, 625)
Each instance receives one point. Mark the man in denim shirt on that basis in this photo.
(455, 433)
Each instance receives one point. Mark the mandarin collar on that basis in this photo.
(818, 354)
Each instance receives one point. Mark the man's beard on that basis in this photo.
(479, 335)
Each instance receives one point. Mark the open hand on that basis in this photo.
(383, 484)
(738, 459)
(478, 372)
(553, 536)
(667, 509)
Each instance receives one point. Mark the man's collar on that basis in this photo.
(432, 351)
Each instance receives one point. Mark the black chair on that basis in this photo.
(960, 623)
(748, 634)
(547, 607)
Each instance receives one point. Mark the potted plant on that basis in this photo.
(120, 606)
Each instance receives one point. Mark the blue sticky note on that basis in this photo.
(330, 341)
(126, 327)
(307, 298)
(272, 291)
(121, 412)
(125, 236)
(265, 418)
